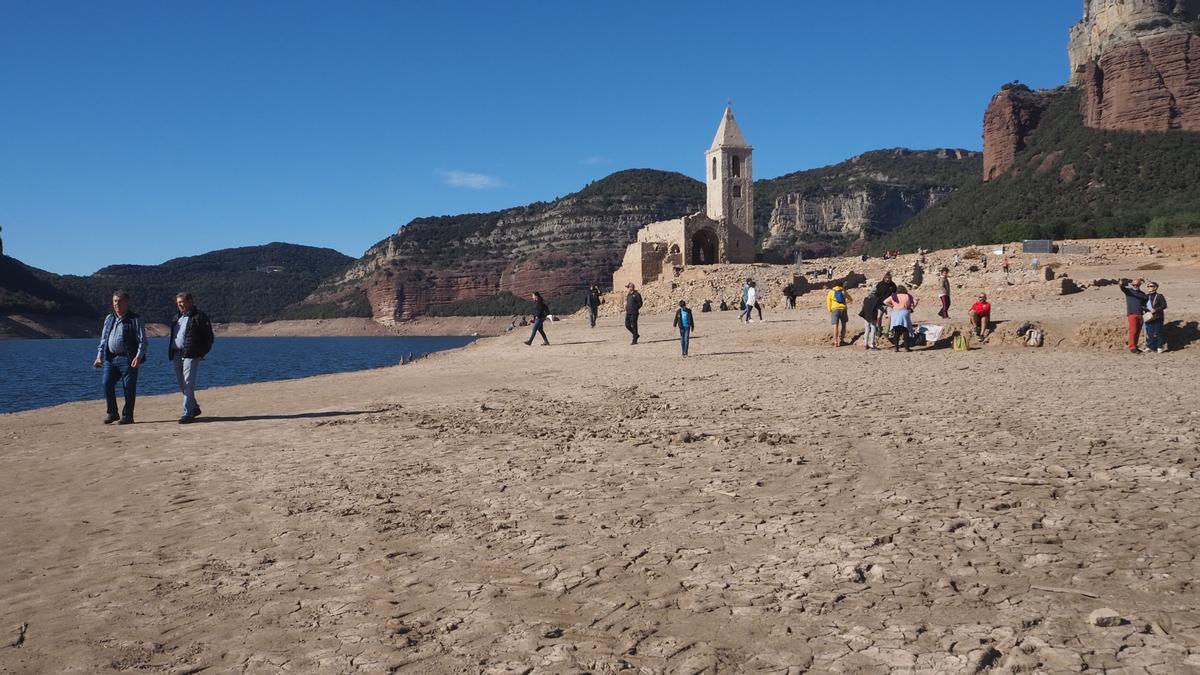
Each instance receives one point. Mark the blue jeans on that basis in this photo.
(870, 332)
(185, 374)
(1154, 334)
(117, 368)
(537, 328)
(685, 335)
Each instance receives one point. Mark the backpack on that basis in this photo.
(960, 342)
(839, 296)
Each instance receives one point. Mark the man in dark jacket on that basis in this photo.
(191, 340)
(121, 353)
(594, 299)
(1135, 306)
(633, 306)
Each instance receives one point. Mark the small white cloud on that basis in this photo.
(593, 160)
(472, 181)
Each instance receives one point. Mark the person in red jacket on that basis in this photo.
(981, 315)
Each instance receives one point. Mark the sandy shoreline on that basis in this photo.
(768, 504)
(40, 327)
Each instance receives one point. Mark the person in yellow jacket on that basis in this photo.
(837, 301)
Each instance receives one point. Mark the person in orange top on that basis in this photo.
(981, 315)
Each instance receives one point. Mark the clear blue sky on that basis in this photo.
(134, 132)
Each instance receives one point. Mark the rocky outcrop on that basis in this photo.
(824, 211)
(1110, 23)
(879, 208)
(1138, 63)
(1010, 118)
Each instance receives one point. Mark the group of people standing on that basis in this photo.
(123, 351)
(1144, 309)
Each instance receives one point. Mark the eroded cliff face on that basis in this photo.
(556, 248)
(1108, 23)
(854, 214)
(1138, 63)
(1010, 118)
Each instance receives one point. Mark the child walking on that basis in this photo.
(685, 322)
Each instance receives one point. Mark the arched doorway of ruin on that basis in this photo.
(704, 248)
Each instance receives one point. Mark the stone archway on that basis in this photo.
(705, 247)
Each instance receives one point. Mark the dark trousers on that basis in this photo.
(897, 333)
(631, 325)
(117, 368)
(592, 311)
(685, 335)
(945, 313)
(537, 328)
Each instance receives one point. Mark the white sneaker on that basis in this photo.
(1162, 349)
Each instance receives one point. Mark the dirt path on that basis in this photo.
(767, 504)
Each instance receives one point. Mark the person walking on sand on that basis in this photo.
(686, 323)
(540, 312)
(981, 316)
(1156, 304)
(884, 289)
(837, 302)
(944, 292)
(1004, 264)
(191, 340)
(870, 317)
(750, 302)
(594, 300)
(633, 306)
(121, 353)
(903, 305)
(1135, 305)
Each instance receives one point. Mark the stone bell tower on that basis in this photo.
(730, 180)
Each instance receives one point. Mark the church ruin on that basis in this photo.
(723, 233)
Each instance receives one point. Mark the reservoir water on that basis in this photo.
(39, 373)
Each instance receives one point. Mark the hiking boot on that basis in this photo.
(109, 419)
(187, 419)
(125, 420)
(528, 342)
(1134, 350)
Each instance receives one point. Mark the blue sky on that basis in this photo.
(134, 132)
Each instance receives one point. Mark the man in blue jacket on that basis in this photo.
(121, 352)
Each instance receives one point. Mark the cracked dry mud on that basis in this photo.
(764, 506)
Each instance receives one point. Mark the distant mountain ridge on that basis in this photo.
(252, 283)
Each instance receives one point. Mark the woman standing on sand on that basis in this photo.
(903, 304)
(540, 312)
(870, 315)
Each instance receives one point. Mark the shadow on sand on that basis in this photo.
(257, 418)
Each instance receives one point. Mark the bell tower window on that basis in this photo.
(735, 167)
(714, 168)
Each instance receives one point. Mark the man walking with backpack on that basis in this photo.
(191, 340)
(837, 302)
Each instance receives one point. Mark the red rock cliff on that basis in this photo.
(1012, 115)
(1145, 84)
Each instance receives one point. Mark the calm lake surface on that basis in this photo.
(39, 373)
